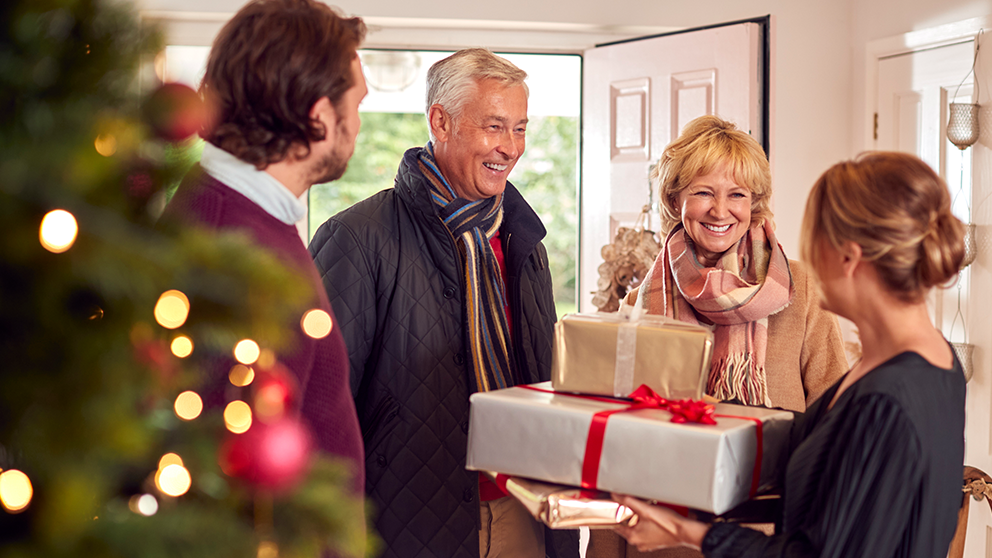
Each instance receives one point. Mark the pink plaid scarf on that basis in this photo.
(749, 283)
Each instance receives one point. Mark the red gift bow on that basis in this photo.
(683, 411)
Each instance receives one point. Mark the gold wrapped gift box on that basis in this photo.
(564, 507)
(608, 354)
(568, 507)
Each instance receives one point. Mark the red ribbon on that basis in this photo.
(759, 454)
(683, 411)
(500, 481)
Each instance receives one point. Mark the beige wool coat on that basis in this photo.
(805, 357)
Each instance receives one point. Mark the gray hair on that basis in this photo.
(451, 81)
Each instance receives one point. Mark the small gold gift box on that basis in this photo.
(608, 354)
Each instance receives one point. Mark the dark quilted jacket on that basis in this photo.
(392, 272)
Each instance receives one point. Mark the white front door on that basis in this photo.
(914, 87)
(637, 96)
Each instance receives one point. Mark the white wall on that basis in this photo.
(818, 53)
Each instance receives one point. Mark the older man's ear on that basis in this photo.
(440, 122)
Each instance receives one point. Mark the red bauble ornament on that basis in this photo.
(272, 456)
(175, 112)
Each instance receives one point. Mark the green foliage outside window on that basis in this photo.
(383, 139)
(546, 175)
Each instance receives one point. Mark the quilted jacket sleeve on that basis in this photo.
(344, 268)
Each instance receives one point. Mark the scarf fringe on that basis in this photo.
(737, 377)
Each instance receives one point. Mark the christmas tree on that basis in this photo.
(104, 449)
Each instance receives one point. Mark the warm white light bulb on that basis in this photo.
(246, 351)
(15, 490)
(173, 480)
(182, 346)
(58, 231)
(172, 309)
(237, 417)
(188, 405)
(316, 323)
(147, 505)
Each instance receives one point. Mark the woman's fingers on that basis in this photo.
(665, 517)
(656, 527)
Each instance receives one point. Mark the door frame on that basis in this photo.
(906, 43)
(194, 28)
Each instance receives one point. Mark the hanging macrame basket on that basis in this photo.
(626, 262)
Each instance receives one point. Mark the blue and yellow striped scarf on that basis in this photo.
(473, 224)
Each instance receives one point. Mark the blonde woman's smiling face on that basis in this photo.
(716, 213)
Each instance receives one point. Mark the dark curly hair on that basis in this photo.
(268, 66)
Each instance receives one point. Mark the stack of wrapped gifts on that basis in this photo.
(623, 413)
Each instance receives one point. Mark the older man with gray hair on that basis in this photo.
(441, 288)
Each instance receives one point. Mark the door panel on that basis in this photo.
(637, 96)
(912, 94)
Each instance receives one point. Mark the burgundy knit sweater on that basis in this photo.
(320, 365)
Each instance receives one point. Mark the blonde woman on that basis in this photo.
(721, 265)
(875, 466)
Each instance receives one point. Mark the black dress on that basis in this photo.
(876, 476)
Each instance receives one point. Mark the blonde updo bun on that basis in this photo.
(896, 208)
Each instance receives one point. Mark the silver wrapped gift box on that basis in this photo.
(539, 434)
(610, 354)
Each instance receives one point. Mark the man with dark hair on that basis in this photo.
(442, 288)
(285, 80)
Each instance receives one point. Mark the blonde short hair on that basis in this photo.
(706, 143)
(896, 208)
(452, 81)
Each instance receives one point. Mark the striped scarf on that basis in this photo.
(473, 224)
(749, 283)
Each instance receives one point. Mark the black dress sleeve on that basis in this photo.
(857, 497)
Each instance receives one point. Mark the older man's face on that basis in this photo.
(479, 148)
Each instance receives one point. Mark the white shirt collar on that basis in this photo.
(258, 186)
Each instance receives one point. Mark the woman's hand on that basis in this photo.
(658, 527)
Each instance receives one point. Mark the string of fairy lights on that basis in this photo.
(57, 234)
